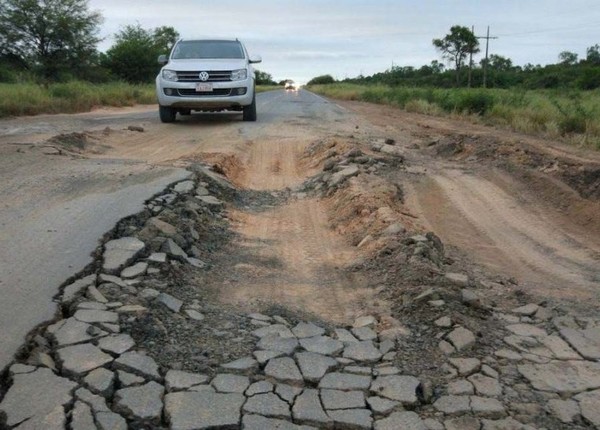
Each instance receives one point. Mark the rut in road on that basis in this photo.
(308, 254)
(476, 214)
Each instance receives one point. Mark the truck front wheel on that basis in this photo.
(167, 114)
(250, 110)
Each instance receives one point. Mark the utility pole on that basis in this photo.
(471, 60)
(487, 43)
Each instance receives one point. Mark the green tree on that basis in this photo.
(51, 37)
(322, 80)
(164, 39)
(456, 46)
(498, 62)
(264, 78)
(567, 58)
(593, 54)
(134, 53)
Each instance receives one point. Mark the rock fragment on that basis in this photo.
(303, 330)
(36, 395)
(402, 388)
(268, 404)
(225, 383)
(364, 351)
(308, 410)
(352, 418)
(119, 252)
(203, 410)
(322, 345)
(284, 369)
(405, 420)
(314, 366)
(139, 364)
(79, 359)
(345, 381)
(177, 380)
(461, 338)
(141, 403)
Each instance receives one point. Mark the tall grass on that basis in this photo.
(571, 115)
(75, 96)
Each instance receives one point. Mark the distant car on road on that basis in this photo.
(290, 86)
(208, 75)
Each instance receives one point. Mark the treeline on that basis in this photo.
(460, 45)
(501, 73)
(56, 41)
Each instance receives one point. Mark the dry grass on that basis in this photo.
(76, 96)
(572, 116)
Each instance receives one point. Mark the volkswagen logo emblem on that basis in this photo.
(204, 76)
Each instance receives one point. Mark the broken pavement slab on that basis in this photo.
(119, 252)
(563, 377)
(203, 410)
(36, 395)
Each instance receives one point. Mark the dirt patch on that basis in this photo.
(524, 208)
(581, 177)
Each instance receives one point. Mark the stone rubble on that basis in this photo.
(297, 387)
(88, 373)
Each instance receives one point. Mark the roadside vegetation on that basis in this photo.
(70, 97)
(49, 67)
(76, 96)
(559, 100)
(573, 115)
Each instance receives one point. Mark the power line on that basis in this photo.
(552, 30)
(487, 44)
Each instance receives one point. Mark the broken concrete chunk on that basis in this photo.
(141, 403)
(79, 359)
(119, 252)
(402, 388)
(138, 269)
(36, 395)
(71, 291)
(170, 302)
(203, 410)
(139, 364)
(461, 338)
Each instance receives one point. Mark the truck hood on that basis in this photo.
(195, 64)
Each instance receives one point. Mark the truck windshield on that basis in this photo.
(207, 49)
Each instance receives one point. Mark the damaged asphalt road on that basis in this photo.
(282, 281)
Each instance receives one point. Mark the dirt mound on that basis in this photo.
(582, 177)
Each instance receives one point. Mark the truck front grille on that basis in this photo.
(214, 76)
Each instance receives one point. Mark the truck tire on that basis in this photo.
(167, 114)
(250, 110)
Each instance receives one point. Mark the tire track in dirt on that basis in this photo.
(500, 201)
(300, 257)
(503, 232)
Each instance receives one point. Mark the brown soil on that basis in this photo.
(521, 207)
(518, 205)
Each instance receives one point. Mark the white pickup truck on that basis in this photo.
(208, 75)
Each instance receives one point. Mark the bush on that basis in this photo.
(322, 80)
(590, 79)
(477, 102)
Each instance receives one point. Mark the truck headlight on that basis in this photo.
(239, 75)
(169, 75)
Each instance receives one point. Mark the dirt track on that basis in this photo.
(493, 213)
(502, 200)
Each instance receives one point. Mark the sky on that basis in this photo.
(301, 39)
